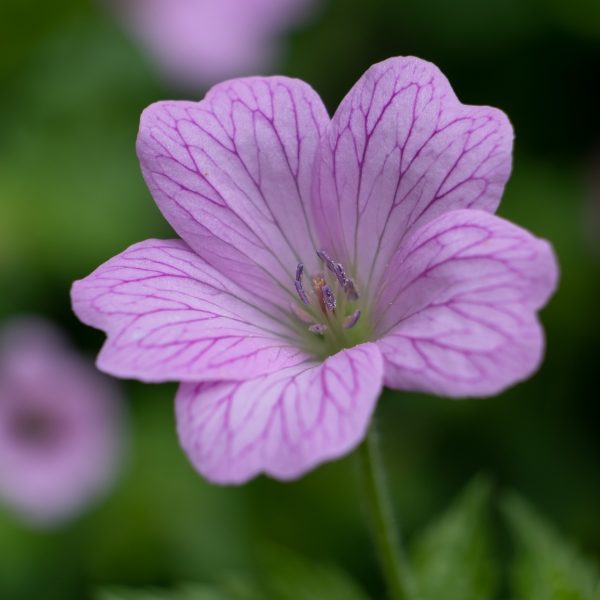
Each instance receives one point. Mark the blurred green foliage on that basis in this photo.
(455, 557)
(284, 576)
(547, 567)
(452, 558)
(72, 87)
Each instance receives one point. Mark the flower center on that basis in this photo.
(36, 428)
(330, 311)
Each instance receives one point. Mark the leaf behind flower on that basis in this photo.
(452, 559)
(546, 566)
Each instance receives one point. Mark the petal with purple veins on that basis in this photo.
(401, 150)
(170, 316)
(457, 315)
(282, 424)
(233, 173)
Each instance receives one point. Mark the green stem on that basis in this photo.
(385, 532)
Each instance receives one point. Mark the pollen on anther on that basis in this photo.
(298, 284)
(328, 298)
(336, 268)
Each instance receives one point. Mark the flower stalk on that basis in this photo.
(383, 524)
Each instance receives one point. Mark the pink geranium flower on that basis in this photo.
(195, 41)
(320, 260)
(59, 425)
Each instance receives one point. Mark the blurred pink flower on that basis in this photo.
(197, 42)
(60, 425)
(320, 260)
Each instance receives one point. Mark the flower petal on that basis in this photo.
(282, 424)
(170, 316)
(458, 317)
(402, 149)
(232, 174)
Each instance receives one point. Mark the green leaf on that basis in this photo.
(290, 577)
(546, 566)
(452, 558)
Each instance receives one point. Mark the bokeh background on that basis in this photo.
(72, 87)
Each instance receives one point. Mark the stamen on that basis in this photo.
(351, 291)
(340, 274)
(321, 298)
(336, 268)
(328, 298)
(319, 328)
(301, 314)
(298, 284)
(324, 257)
(351, 320)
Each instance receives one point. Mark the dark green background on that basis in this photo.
(72, 87)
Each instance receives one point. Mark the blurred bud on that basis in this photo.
(61, 422)
(199, 42)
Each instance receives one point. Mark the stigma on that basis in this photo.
(328, 299)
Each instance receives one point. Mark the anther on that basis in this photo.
(324, 257)
(298, 284)
(335, 268)
(351, 320)
(328, 298)
(319, 328)
(351, 291)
